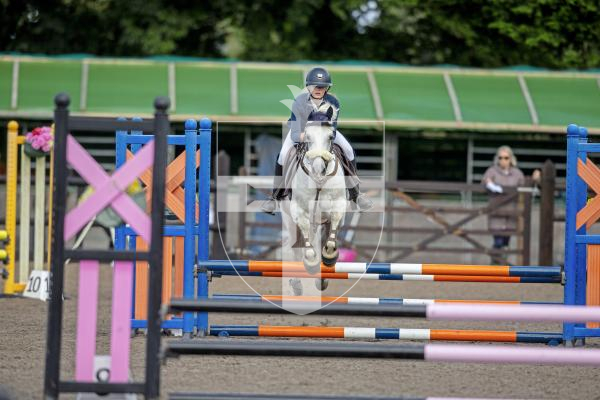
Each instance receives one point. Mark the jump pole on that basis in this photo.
(254, 396)
(338, 332)
(386, 268)
(434, 312)
(360, 300)
(389, 277)
(429, 352)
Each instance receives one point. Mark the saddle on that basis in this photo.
(294, 160)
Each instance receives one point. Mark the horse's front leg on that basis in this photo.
(330, 252)
(310, 258)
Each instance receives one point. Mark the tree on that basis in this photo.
(492, 33)
(109, 27)
(479, 33)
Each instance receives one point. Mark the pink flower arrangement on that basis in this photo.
(41, 138)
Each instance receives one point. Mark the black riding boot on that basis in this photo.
(363, 203)
(270, 205)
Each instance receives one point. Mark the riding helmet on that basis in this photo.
(318, 77)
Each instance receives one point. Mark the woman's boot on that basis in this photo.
(270, 205)
(363, 203)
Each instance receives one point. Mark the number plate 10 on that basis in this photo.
(38, 286)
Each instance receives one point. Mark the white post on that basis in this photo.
(40, 205)
(24, 216)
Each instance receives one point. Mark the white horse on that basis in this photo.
(318, 203)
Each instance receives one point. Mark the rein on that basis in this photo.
(314, 211)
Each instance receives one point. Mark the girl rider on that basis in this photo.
(315, 100)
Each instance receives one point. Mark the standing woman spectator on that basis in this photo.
(498, 178)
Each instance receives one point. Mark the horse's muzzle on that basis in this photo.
(319, 166)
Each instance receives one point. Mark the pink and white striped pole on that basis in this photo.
(512, 355)
(510, 312)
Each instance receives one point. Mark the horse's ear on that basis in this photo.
(330, 112)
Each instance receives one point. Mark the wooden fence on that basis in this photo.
(449, 220)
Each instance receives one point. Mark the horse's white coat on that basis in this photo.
(331, 205)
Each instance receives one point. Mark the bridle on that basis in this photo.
(305, 157)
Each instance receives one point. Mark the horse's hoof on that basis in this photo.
(329, 258)
(312, 266)
(321, 284)
(312, 263)
(296, 286)
(310, 254)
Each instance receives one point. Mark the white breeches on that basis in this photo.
(340, 140)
